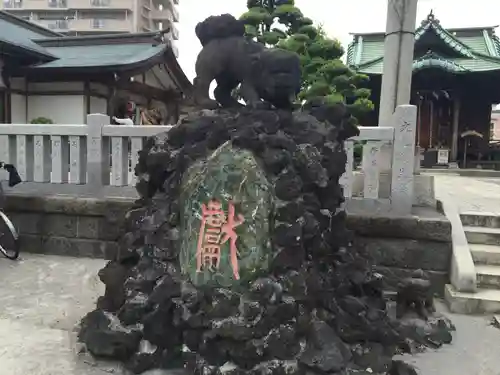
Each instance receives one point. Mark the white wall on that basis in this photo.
(98, 105)
(69, 108)
(18, 101)
(35, 87)
(99, 88)
(18, 83)
(61, 109)
(18, 109)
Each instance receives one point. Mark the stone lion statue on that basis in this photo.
(415, 295)
(272, 75)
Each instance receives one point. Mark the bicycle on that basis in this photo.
(9, 238)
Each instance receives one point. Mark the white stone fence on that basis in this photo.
(399, 139)
(75, 154)
(79, 154)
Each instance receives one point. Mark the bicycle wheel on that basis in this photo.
(9, 239)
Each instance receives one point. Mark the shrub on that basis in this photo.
(41, 120)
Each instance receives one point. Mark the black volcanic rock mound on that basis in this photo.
(315, 306)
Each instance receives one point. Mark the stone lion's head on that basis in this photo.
(277, 76)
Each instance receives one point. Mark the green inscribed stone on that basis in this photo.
(227, 175)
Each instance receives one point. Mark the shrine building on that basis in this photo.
(456, 80)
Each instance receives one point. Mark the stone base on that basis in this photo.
(481, 302)
(394, 275)
(423, 188)
(82, 227)
(73, 226)
(397, 246)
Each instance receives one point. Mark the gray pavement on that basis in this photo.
(43, 297)
(470, 193)
(470, 172)
(41, 300)
(475, 349)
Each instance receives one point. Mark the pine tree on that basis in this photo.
(279, 23)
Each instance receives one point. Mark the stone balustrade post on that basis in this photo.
(98, 153)
(404, 121)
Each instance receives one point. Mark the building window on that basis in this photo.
(13, 4)
(100, 3)
(58, 3)
(62, 24)
(97, 23)
(59, 25)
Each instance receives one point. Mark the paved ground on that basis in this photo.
(43, 297)
(475, 350)
(470, 193)
(41, 300)
(471, 172)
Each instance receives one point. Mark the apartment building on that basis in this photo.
(91, 17)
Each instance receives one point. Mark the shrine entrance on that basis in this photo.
(437, 95)
(434, 121)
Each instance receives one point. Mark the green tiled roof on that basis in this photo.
(475, 50)
(350, 51)
(17, 34)
(58, 51)
(496, 43)
(431, 60)
(449, 39)
(101, 55)
(371, 48)
(476, 44)
(451, 65)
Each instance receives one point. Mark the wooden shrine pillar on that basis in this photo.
(456, 121)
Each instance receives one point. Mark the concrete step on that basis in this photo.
(485, 254)
(482, 235)
(488, 276)
(483, 301)
(480, 219)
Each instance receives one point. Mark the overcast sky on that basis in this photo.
(339, 17)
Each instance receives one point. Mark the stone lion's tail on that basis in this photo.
(219, 27)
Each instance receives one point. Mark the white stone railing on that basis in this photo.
(100, 154)
(400, 136)
(96, 153)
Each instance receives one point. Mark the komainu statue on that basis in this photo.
(237, 258)
(415, 295)
(273, 75)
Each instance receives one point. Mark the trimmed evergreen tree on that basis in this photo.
(279, 23)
